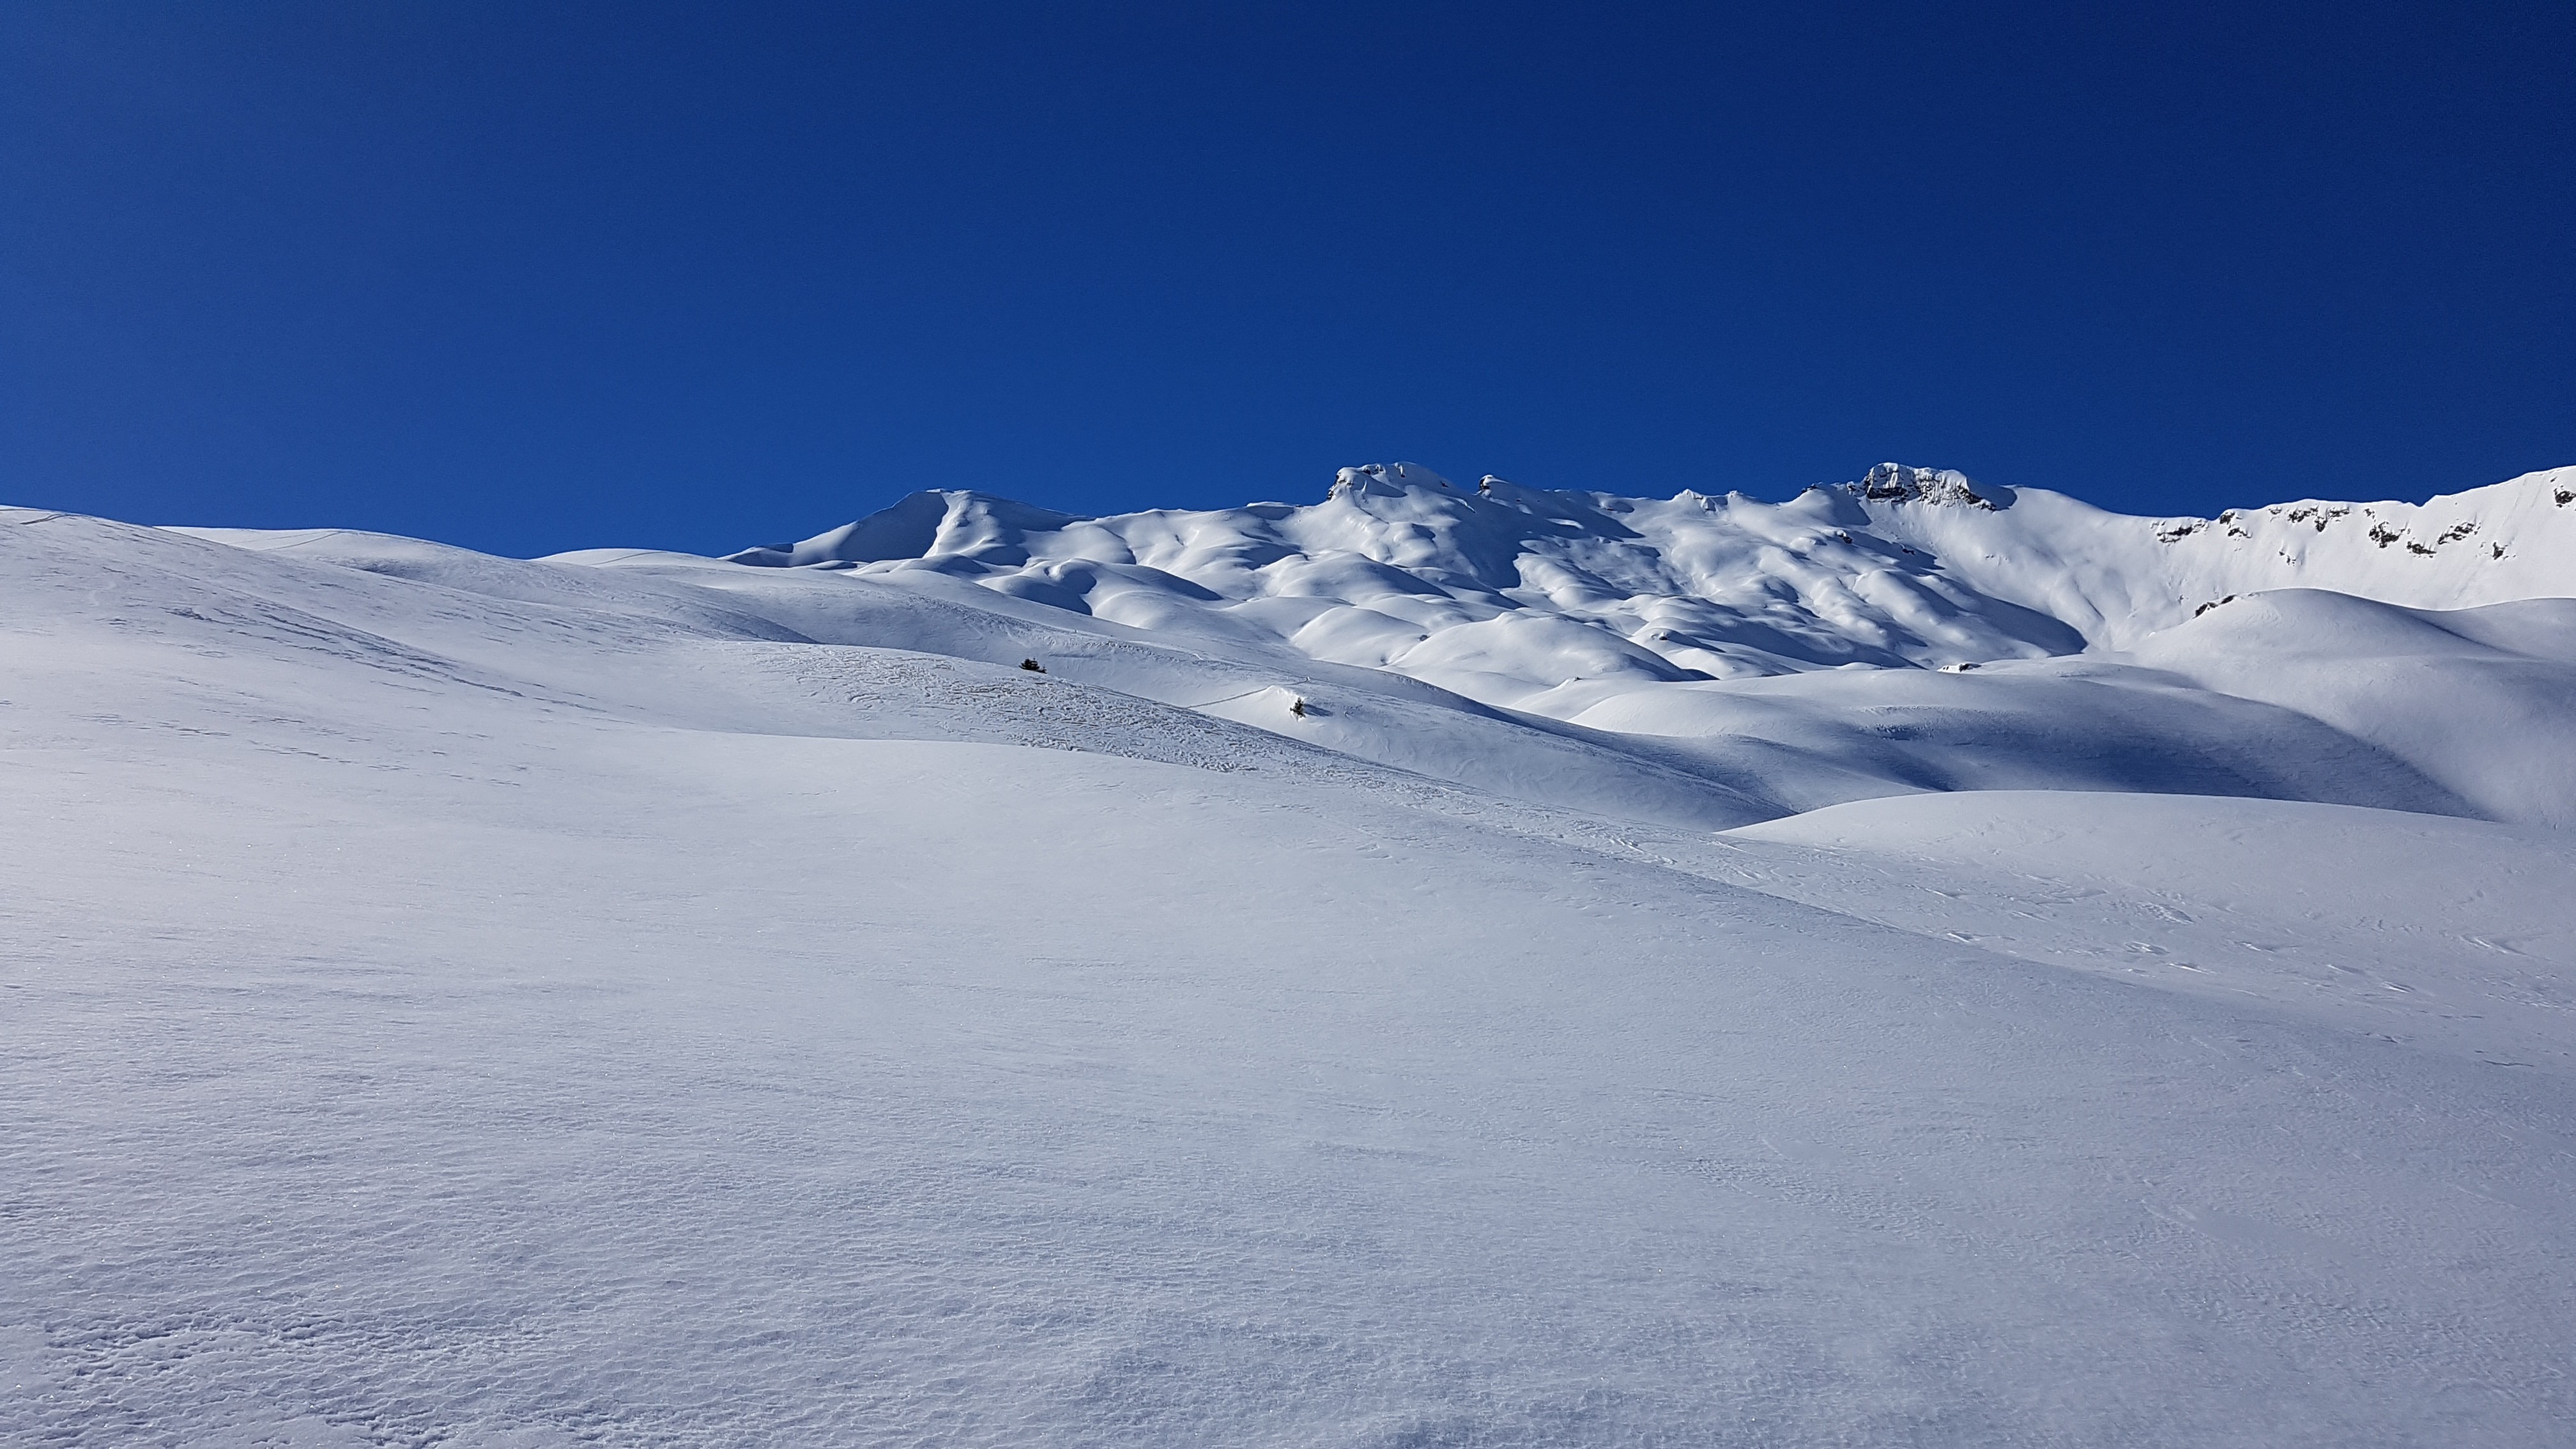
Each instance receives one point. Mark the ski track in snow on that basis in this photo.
(640, 1001)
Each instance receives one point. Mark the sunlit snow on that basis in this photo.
(1921, 963)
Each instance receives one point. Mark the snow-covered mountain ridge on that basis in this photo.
(1913, 630)
(640, 999)
(1474, 588)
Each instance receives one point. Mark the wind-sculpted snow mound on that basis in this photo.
(2482, 701)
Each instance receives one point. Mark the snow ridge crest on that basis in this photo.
(1897, 483)
(1529, 598)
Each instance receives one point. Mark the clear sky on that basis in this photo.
(540, 276)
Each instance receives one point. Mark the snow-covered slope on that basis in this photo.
(636, 999)
(1473, 587)
(1814, 651)
(2440, 932)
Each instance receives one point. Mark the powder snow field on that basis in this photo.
(635, 999)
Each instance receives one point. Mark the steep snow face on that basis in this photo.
(1506, 594)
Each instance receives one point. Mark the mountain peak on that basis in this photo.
(1387, 480)
(929, 523)
(1898, 483)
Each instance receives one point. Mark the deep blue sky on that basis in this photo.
(530, 277)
